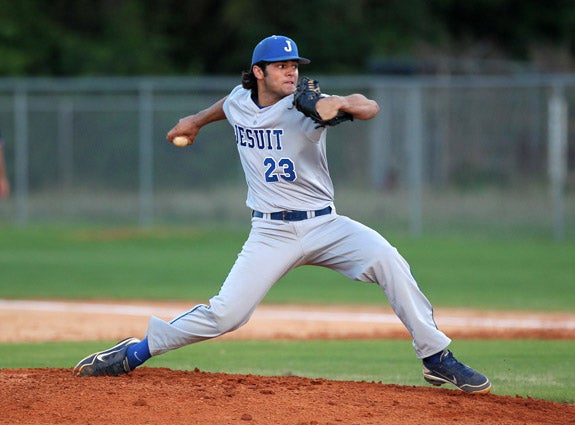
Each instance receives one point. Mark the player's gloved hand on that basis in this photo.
(307, 95)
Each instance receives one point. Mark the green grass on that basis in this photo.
(509, 364)
(191, 263)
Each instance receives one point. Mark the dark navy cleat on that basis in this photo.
(448, 370)
(110, 362)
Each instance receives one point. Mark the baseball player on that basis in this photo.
(4, 184)
(280, 131)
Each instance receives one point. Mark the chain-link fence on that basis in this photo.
(470, 154)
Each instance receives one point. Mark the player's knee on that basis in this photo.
(227, 320)
(384, 262)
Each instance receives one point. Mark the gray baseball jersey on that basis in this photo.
(283, 155)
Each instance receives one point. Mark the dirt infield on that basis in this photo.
(163, 396)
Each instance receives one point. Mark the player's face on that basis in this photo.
(278, 81)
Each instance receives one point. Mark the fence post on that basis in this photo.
(146, 155)
(379, 141)
(21, 155)
(557, 158)
(414, 145)
(66, 142)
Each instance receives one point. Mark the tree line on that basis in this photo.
(188, 37)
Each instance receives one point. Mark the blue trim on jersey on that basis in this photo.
(188, 312)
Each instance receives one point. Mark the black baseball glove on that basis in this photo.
(306, 96)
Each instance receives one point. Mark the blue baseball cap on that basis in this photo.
(277, 48)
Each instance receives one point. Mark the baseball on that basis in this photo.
(181, 141)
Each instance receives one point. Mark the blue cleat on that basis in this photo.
(448, 370)
(110, 362)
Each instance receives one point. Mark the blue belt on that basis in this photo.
(292, 215)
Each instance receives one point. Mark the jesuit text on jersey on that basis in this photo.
(269, 139)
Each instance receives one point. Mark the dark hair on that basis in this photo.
(249, 80)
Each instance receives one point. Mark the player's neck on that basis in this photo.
(265, 97)
(255, 99)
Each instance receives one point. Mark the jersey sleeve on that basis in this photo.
(230, 98)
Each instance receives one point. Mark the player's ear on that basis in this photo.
(258, 72)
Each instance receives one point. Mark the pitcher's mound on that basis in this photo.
(164, 396)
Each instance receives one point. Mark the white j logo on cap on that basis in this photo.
(288, 48)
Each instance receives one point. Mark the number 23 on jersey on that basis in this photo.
(283, 168)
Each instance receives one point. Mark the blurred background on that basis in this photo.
(476, 133)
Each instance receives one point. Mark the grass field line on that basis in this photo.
(460, 317)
